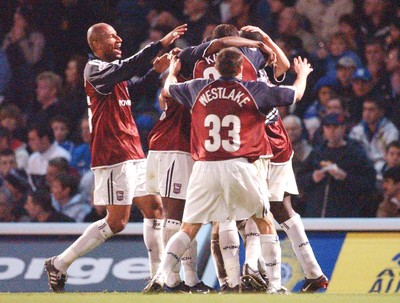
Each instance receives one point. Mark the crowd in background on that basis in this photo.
(353, 95)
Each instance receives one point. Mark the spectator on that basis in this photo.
(335, 175)
(5, 144)
(44, 148)
(276, 7)
(324, 15)
(60, 126)
(40, 209)
(197, 19)
(390, 206)
(375, 17)
(301, 147)
(8, 162)
(67, 199)
(375, 131)
(80, 155)
(349, 26)
(11, 118)
(73, 98)
(345, 69)
(375, 55)
(57, 166)
(338, 47)
(361, 89)
(242, 13)
(16, 181)
(291, 23)
(392, 159)
(394, 33)
(25, 48)
(393, 68)
(48, 91)
(324, 90)
(333, 106)
(6, 206)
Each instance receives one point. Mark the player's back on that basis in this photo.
(226, 123)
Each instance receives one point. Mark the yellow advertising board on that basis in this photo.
(368, 263)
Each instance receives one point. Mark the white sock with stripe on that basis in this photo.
(229, 243)
(153, 241)
(294, 228)
(94, 235)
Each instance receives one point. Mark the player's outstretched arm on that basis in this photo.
(173, 35)
(282, 62)
(174, 69)
(302, 69)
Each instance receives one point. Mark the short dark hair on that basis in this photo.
(43, 131)
(7, 152)
(60, 163)
(225, 30)
(68, 181)
(392, 173)
(228, 61)
(393, 144)
(377, 100)
(256, 36)
(43, 198)
(61, 119)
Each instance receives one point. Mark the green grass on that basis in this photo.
(166, 298)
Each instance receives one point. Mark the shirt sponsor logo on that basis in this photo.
(124, 102)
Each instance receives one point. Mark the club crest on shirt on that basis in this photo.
(120, 195)
(177, 188)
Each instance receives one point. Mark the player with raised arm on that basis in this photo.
(118, 160)
(227, 137)
(169, 167)
(282, 184)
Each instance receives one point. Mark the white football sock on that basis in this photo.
(294, 228)
(271, 252)
(170, 228)
(153, 241)
(189, 263)
(229, 243)
(253, 246)
(174, 251)
(94, 235)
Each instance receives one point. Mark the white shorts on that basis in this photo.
(168, 174)
(119, 184)
(281, 180)
(225, 190)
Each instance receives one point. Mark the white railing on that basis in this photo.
(314, 224)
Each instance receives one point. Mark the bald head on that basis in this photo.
(104, 41)
(96, 32)
(293, 127)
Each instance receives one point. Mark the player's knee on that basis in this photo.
(117, 226)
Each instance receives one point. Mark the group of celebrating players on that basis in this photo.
(219, 153)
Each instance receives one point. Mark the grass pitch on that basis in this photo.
(177, 298)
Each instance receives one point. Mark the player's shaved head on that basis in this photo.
(229, 62)
(95, 33)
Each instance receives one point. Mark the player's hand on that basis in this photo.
(175, 66)
(173, 35)
(160, 64)
(301, 66)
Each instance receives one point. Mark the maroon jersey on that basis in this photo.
(115, 138)
(172, 130)
(280, 143)
(230, 126)
(205, 68)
